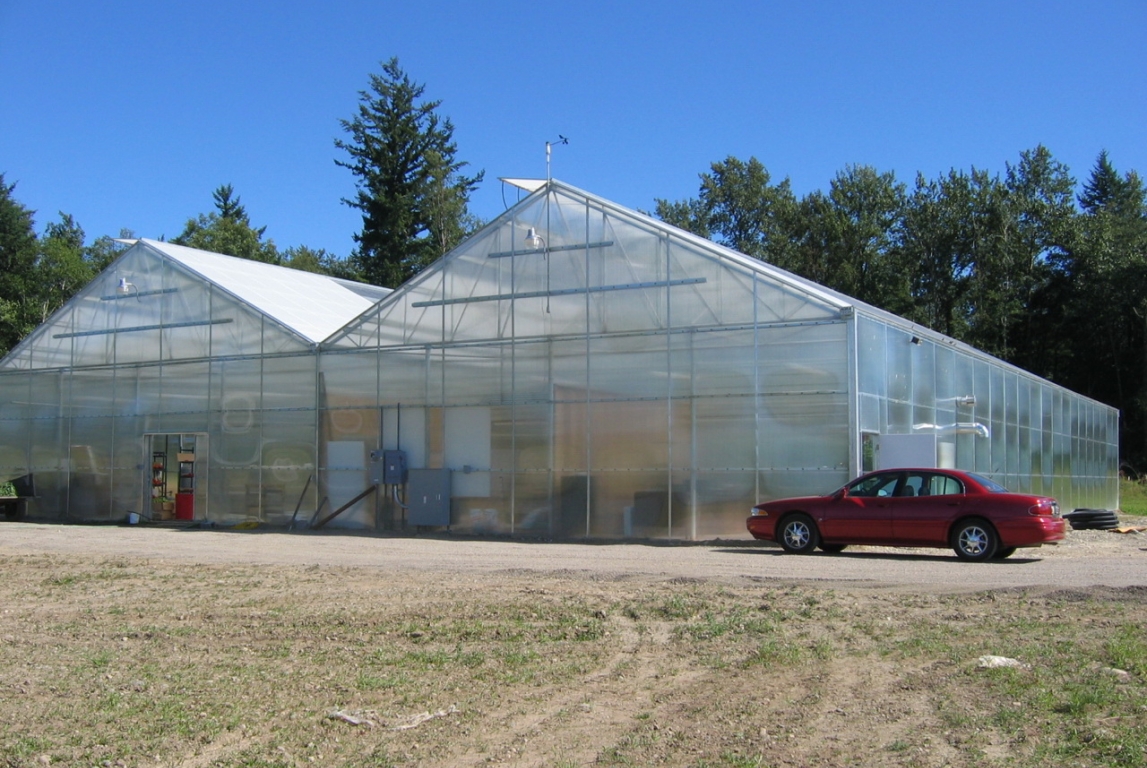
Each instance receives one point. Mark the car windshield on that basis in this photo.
(989, 485)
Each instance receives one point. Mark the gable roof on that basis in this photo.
(312, 305)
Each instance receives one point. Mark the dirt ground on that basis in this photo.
(149, 646)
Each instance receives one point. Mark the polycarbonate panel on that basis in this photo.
(237, 396)
(871, 365)
(288, 462)
(89, 468)
(533, 504)
(635, 505)
(724, 433)
(802, 358)
(629, 367)
(184, 394)
(289, 382)
(478, 374)
(803, 431)
(531, 435)
(723, 363)
(720, 503)
(722, 295)
(629, 435)
(780, 483)
(351, 380)
(402, 377)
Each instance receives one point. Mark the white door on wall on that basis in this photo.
(467, 450)
(346, 478)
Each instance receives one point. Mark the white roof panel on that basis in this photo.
(312, 305)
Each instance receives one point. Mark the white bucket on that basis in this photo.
(132, 518)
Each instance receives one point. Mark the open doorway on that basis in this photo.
(176, 487)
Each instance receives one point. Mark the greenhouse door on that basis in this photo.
(176, 481)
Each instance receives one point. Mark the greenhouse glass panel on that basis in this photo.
(353, 379)
(476, 374)
(638, 502)
(803, 432)
(289, 382)
(184, 391)
(533, 504)
(403, 376)
(629, 367)
(708, 292)
(870, 357)
(533, 429)
(629, 435)
(803, 358)
(89, 468)
(724, 363)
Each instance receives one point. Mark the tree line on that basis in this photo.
(1025, 265)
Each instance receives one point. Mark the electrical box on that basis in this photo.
(428, 497)
(394, 470)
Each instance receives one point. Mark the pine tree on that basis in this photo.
(18, 247)
(409, 188)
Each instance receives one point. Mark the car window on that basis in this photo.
(991, 486)
(915, 484)
(943, 485)
(875, 485)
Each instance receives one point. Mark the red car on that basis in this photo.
(976, 517)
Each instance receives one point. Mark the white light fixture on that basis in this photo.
(533, 239)
(125, 287)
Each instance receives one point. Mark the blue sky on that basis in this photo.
(127, 113)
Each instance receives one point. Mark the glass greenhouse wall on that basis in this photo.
(574, 369)
(160, 391)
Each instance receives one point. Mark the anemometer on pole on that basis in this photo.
(549, 145)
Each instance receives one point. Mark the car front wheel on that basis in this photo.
(799, 534)
(975, 539)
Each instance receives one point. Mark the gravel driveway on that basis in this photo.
(1085, 559)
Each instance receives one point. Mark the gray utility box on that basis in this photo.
(428, 497)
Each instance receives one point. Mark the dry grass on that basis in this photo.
(128, 663)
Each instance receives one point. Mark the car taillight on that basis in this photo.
(1045, 508)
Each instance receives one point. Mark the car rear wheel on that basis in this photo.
(832, 549)
(799, 535)
(975, 539)
(1005, 552)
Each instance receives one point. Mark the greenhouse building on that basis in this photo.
(574, 369)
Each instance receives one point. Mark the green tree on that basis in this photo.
(1100, 289)
(228, 230)
(848, 238)
(105, 249)
(740, 207)
(62, 266)
(319, 261)
(409, 186)
(1038, 220)
(18, 250)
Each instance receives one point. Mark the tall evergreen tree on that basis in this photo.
(18, 247)
(410, 189)
(1102, 295)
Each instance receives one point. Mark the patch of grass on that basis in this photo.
(241, 666)
(1133, 497)
(1127, 650)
